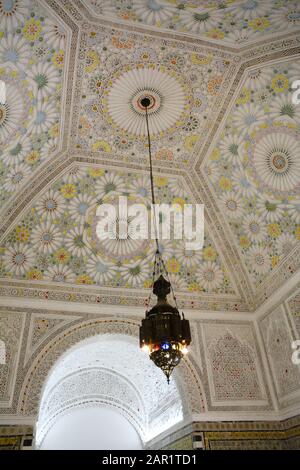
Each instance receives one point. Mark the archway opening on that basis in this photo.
(94, 428)
(111, 374)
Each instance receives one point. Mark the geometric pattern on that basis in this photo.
(91, 373)
(56, 240)
(41, 326)
(233, 368)
(232, 21)
(11, 330)
(250, 192)
(241, 377)
(294, 306)
(255, 171)
(278, 339)
(233, 146)
(32, 55)
(118, 69)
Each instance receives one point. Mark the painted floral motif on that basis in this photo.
(31, 57)
(259, 185)
(209, 275)
(230, 20)
(12, 13)
(167, 100)
(182, 88)
(57, 239)
(18, 259)
(16, 110)
(275, 160)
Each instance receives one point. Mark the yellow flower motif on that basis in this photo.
(215, 33)
(147, 284)
(259, 24)
(32, 29)
(84, 279)
(201, 60)
(194, 287)
(209, 254)
(215, 155)
(95, 172)
(190, 142)
(95, 109)
(68, 190)
(54, 131)
(160, 181)
(244, 96)
(22, 234)
(297, 233)
(62, 256)
(173, 266)
(225, 184)
(280, 83)
(274, 230)
(32, 157)
(58, 59)
(93, 61)
(180, 201)
(274, 261)
(101, 145)
(244, 242)
(245, 159)
(34, 275)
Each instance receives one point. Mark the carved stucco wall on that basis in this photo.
(218, 68)
(48, 335)
(293, 307)
(40, 365)
(279, 328)
(231, 435)
(110, 369)
(11, 330)
(228, 356)
(232, 362)
(224, 356)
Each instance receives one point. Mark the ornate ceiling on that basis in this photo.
(231, 21)
(225, 133)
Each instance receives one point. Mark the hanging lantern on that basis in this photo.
(163, 333)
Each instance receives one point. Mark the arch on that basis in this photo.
(186, 376)
(93, 428)
(56, 402)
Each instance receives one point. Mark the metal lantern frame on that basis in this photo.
(164, 333)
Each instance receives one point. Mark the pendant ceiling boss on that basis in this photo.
(163, 333)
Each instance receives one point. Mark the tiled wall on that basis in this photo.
(260, 435)
(16, 437)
